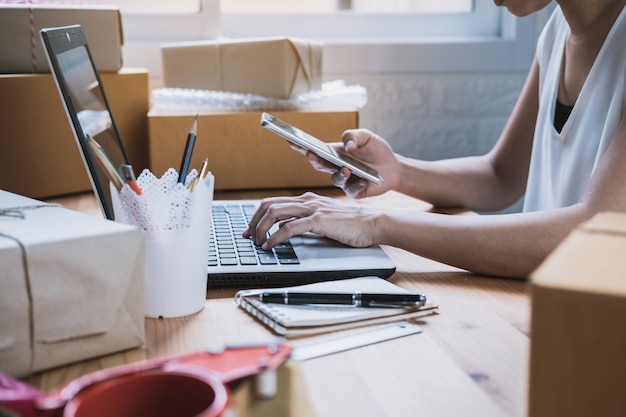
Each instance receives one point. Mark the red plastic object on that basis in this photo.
(184, 386)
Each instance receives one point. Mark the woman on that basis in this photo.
(564, 146)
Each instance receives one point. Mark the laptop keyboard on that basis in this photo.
(228, 248)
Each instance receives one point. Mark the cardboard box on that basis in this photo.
(71, 286)
(242, 154)
(39, 156)
(272, 67)
(20, 46)
(578, 326)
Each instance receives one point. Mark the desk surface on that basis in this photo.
(471, 358)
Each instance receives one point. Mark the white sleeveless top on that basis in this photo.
(562, 163)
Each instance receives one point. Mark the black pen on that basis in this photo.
(356, 299)
(191, 140)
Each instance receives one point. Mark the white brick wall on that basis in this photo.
(434, 116)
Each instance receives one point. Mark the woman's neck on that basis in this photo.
(587, 18)
(590, 23)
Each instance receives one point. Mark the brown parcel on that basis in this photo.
(242, 154)
(38, 153)
(578, 342)
(271, 67)
(71, 289)
(102, 25)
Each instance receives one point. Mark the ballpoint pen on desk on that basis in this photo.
(355, 299)
(191, 140)
(129, 178)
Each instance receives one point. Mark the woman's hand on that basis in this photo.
(309, 212)
(369, 148)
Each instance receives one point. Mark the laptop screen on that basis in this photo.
(87, 108)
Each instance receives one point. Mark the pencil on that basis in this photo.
(191, 140)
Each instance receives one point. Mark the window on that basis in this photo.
(290, 6)
(325, 6)
(360, 36)
(142, 6)
(334, 20)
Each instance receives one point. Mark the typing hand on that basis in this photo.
(311, 213)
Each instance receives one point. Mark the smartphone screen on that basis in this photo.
(320, 148)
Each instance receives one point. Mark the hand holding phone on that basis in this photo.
(320, 148)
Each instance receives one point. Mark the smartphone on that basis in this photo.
(320, 148)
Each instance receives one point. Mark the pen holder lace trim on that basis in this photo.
(164, 203)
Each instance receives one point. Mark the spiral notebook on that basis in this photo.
(298, 320)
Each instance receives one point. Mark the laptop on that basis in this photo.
(233, 260)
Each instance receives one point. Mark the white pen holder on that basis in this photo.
(176, 224)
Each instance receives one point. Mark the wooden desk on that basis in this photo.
(471, 358)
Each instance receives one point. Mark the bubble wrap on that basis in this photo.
(333, 95)
(164, 204)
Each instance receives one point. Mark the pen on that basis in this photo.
(191, 140)
(356, 299)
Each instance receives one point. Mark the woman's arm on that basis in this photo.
(509, 245)
(513, 244)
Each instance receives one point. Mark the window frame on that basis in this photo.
(511, 51)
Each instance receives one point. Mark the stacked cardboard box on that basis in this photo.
(38, 154)
(241, 153)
